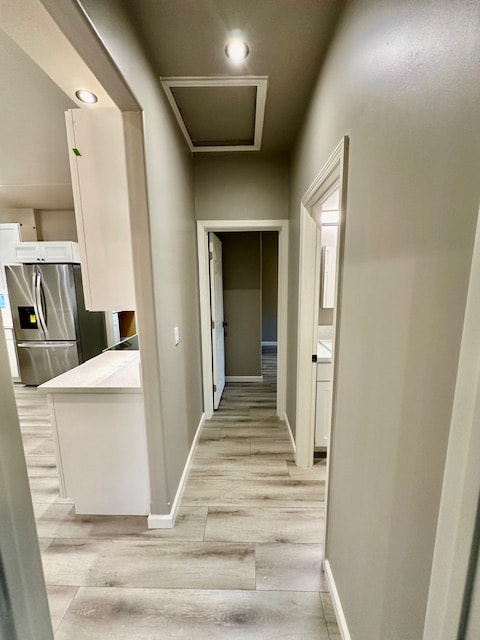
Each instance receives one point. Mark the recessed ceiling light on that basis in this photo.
(236, 50)
(86, 96)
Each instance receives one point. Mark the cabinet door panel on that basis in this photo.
(100, 192)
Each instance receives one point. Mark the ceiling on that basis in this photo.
(287, 39)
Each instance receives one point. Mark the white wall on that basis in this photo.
(401, 80)
(173, 300)
(241, 187)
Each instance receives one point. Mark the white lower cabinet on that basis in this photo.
(102, 452)
(323, 409)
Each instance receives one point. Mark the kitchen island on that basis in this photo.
(99, 432)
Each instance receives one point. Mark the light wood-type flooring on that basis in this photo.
(243, 561)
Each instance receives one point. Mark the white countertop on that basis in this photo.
(109, 372)
(324, 350)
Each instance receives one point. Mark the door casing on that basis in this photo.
(333, 172)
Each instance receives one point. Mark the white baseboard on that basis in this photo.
(161, 521)
(337, 605)
(285, 419)
(243, 378)
(269, 344)
(167, 520)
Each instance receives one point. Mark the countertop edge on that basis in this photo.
(94, 390)
(111, 372)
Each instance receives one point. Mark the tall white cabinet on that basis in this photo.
(10, 235)
(100, 192)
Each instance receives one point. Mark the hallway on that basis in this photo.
(243, 560)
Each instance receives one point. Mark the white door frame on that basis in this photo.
(334, 171)
(204, 227)
(449, 581)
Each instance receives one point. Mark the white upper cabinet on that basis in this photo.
(49, 251)
(100, 193)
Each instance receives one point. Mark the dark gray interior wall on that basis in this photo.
(269, 285)
(401, 80)
(174, 298)
(242, 302)
(241, 187)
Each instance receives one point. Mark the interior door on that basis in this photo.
(218, 327)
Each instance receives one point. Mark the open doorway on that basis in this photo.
(320, 281)
(220, 227)
(326, 213)
(250, 303)
(244, 309)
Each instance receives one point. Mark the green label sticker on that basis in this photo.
(76, 151)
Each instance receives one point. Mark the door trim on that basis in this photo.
(455, 542)
(204, 227)
(334, 171)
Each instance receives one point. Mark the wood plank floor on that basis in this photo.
(243, 560)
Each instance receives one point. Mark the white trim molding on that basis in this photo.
(261, 84)
(334, 171)
(167, 520)
(243, 378)
(455, 545)
(337, 605)
(204, 227)
(287, 423)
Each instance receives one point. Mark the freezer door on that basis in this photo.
(42, 361)
(43, 301)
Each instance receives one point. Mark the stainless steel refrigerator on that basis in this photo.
(53, 331)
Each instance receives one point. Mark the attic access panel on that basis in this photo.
(219, 114)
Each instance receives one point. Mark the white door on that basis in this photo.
(216, 305)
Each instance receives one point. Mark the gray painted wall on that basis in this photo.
(56, 224)
(242, 298)
(24, 613)
(269, 241)
(26, 217)
(241, 187)
(174, 298)
(401, 80)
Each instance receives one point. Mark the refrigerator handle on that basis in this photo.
(46, 344)
(39, 300)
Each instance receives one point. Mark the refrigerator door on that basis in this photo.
(43, 301)
(42, 361)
